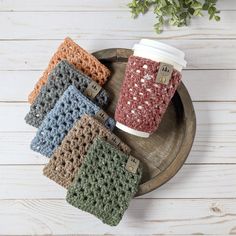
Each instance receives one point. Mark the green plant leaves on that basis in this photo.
(174, 12)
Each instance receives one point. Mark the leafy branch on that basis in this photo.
(174, 12)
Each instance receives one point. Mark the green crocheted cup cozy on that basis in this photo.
(103, 186)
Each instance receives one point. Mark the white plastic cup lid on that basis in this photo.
(162, 46)
(158, 49)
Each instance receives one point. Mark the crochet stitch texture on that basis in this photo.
(68, 109)
(68, 157)
(103, 187)
(81, 59)
(61, 77)
(142, 101)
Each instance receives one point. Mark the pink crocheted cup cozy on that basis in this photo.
(143, 101)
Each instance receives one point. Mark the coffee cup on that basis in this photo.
(152, 76)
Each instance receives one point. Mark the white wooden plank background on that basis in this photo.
(96, 26)
(200, 199)
(82, 5)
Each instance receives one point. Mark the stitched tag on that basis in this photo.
(115, 141)
(132, 164)
(92, 90)
(101, 116)
(164, 73)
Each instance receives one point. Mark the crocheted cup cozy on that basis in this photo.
(68, 109)
(81, 59)
(68, 157)
(61, 77)
(103, 186)
(143, 101)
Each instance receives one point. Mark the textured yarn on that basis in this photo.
(68, 109)
(102, 186)
(81, 59)
(142, 101)
(60, 78)
(68, 157)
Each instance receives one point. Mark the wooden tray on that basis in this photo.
(165, 151)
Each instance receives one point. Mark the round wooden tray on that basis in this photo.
(165, 151)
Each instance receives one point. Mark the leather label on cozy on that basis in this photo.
(101, 116)
(132, 164)
(115, 141)
(164, 73)
(92, 90)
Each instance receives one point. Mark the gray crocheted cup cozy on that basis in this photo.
(61, 77)
(103, 186)
(68, 109)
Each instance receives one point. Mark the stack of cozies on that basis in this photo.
(76, 134)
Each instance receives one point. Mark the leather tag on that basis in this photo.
(164, 73)
(132, 164)
(92, 90)
(101, 116)
(115, 141)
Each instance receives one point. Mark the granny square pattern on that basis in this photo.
(142, 101)
(68, 109)
(61, 77)
(103, 187)
(68, 157)
(81, 59)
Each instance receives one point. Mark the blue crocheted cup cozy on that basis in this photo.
(103, 186)
(68, 109)
(61, 77)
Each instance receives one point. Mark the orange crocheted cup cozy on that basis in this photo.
(81, 59)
